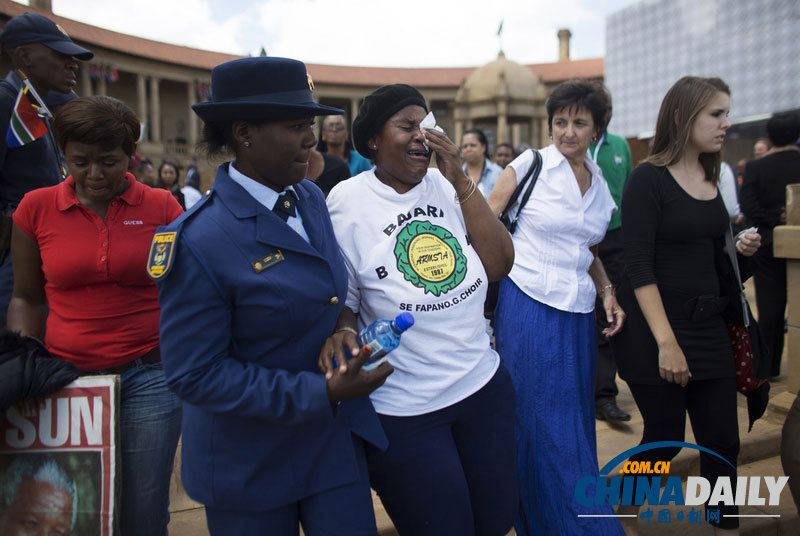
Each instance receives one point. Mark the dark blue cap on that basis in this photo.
(34, 28)
(261, 88)
(403, 321)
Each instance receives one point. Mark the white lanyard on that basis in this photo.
(597, 148)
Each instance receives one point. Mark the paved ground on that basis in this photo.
(758, 456)
(611, 440)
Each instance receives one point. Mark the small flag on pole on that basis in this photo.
(500, 29)
(26, 124)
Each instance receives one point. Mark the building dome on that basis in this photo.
(503, 79)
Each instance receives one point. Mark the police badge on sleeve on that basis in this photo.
(162, 251)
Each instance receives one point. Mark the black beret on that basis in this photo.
(377, 108)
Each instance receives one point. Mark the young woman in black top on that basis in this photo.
(674, 352)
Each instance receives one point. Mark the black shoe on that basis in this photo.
(608, 411)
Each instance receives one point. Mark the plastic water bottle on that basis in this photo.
(383, 336)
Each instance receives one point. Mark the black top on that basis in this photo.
(763, 193)
(335, 171)
(670, 239)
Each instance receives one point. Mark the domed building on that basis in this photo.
(161, 81)
(505, 100)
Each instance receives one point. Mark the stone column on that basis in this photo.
(515, 134)
(544, 133)
(563, 44)
(191, 95)
(534, 135)
(101, 86)
(502, 121)
(141, 98)
(44, 5)
(354, 105)
(155, 111)
(86, 82)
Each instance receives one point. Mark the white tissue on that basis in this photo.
(429, 122)
(751, 230)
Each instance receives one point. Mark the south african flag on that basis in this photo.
(26, 125)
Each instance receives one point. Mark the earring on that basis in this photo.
(246, 144)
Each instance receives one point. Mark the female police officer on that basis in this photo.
(251, 284)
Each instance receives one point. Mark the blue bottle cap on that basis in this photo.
(403, 321)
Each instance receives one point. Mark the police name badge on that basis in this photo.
(162, 250)
(270, 260)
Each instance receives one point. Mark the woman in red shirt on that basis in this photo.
(79, 251)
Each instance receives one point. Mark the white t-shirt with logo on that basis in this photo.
(410, 252)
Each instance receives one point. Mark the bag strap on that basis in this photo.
(731, 246)
(533, 174)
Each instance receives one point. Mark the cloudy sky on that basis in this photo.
(395, 33)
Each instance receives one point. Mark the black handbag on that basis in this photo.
(529, 179)
(527, 183)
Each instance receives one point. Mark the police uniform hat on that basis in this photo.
(34, 28)
(261, 88)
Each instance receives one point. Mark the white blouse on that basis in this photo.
(555, 230)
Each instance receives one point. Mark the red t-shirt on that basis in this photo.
(103, 306)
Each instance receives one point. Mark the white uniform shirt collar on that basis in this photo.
(263, 194)
(267, 197)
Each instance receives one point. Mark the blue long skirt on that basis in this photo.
(551, 356)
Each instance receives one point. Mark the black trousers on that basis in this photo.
(453, 470)
(770, 280)
(610, 251)
(712, 409)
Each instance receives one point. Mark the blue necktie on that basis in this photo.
(285, 205)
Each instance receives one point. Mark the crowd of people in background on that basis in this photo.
(246, 326)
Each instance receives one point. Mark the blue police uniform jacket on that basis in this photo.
(246, 305)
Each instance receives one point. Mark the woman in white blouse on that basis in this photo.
(544, 319)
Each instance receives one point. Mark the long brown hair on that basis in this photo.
(679, 109)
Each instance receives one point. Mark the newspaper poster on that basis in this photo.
(59, 462)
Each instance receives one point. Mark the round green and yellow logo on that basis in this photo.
(430, 257)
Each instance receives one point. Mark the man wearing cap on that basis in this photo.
(43, 52)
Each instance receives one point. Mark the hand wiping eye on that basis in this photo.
(429, 122)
